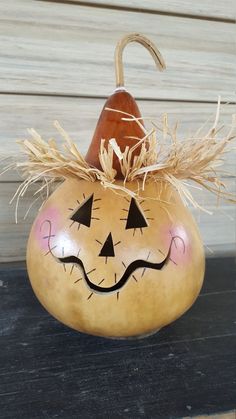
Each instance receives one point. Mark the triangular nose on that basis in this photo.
(108, 247)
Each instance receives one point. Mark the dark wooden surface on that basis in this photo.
(50, 371)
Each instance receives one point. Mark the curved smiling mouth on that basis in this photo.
(130, 269)
(133, 266)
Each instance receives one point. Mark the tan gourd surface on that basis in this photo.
(112, 263)
(150, 298)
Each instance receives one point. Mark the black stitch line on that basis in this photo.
(49, 237)
(117, 294)
(77, 280)
(134, 278)
(92, 270)
(50, 250)
(125, 277)
(169, 257)
(74, 265)
(72, 269)
(63, 253)
(145, 268)
(101, 281)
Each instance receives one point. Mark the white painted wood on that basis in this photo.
(57, 48)
(79, 117)
(204, 8)
(218, 230)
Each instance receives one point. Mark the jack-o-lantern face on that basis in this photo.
(113, 265)
(126, 259)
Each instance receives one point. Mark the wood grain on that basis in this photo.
(54, 48)
(227, 415)
(204, 9)
(218, 230)
(50, 371)
(79, 117)
(56, 62)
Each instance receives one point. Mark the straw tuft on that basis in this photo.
(163, 158)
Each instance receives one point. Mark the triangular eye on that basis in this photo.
(135, 217)
(83, 214)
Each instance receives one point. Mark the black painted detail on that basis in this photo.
(108, 247)
(48, 359)
(135, 217)
(133, 266)
(84, 213)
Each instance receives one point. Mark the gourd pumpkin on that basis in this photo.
(110, 254)
(111, 265)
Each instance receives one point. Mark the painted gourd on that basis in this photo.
(111, 264)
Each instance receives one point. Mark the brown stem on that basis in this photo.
(135, 37)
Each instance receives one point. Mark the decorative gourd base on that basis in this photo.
(114, 251)
(111, 265)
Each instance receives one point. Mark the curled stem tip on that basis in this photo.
(135, 37)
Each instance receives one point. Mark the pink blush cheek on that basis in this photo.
(180, 242)
(47, 223)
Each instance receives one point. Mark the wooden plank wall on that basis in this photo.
(56, 62)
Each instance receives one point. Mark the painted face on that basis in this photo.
(113, 265)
